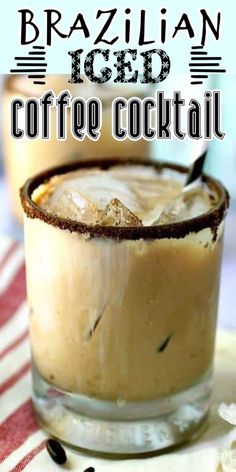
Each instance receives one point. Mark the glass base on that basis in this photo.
(121, 428)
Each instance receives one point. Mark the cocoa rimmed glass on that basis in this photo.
(122, 324)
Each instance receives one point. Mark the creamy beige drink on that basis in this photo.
(25, 157)
(122, 311)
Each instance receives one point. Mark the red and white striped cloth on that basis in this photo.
(20, 437)
(21, 440)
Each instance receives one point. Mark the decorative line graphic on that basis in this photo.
(206, 58)
(203, 64)
(202, 53)
(199, 64)
(37, 52)
(34, 62)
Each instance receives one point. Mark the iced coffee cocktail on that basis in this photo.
(122, 302)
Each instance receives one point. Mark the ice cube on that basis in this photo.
(88, 210)
(73, 204)
(189, 194)
(171, 214)
(165, 218)
(117, 214)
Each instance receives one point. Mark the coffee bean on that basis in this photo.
(56, 451)
(89, 469)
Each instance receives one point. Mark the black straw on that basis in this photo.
(196, 168)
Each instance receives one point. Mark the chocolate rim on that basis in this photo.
(210, 219)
